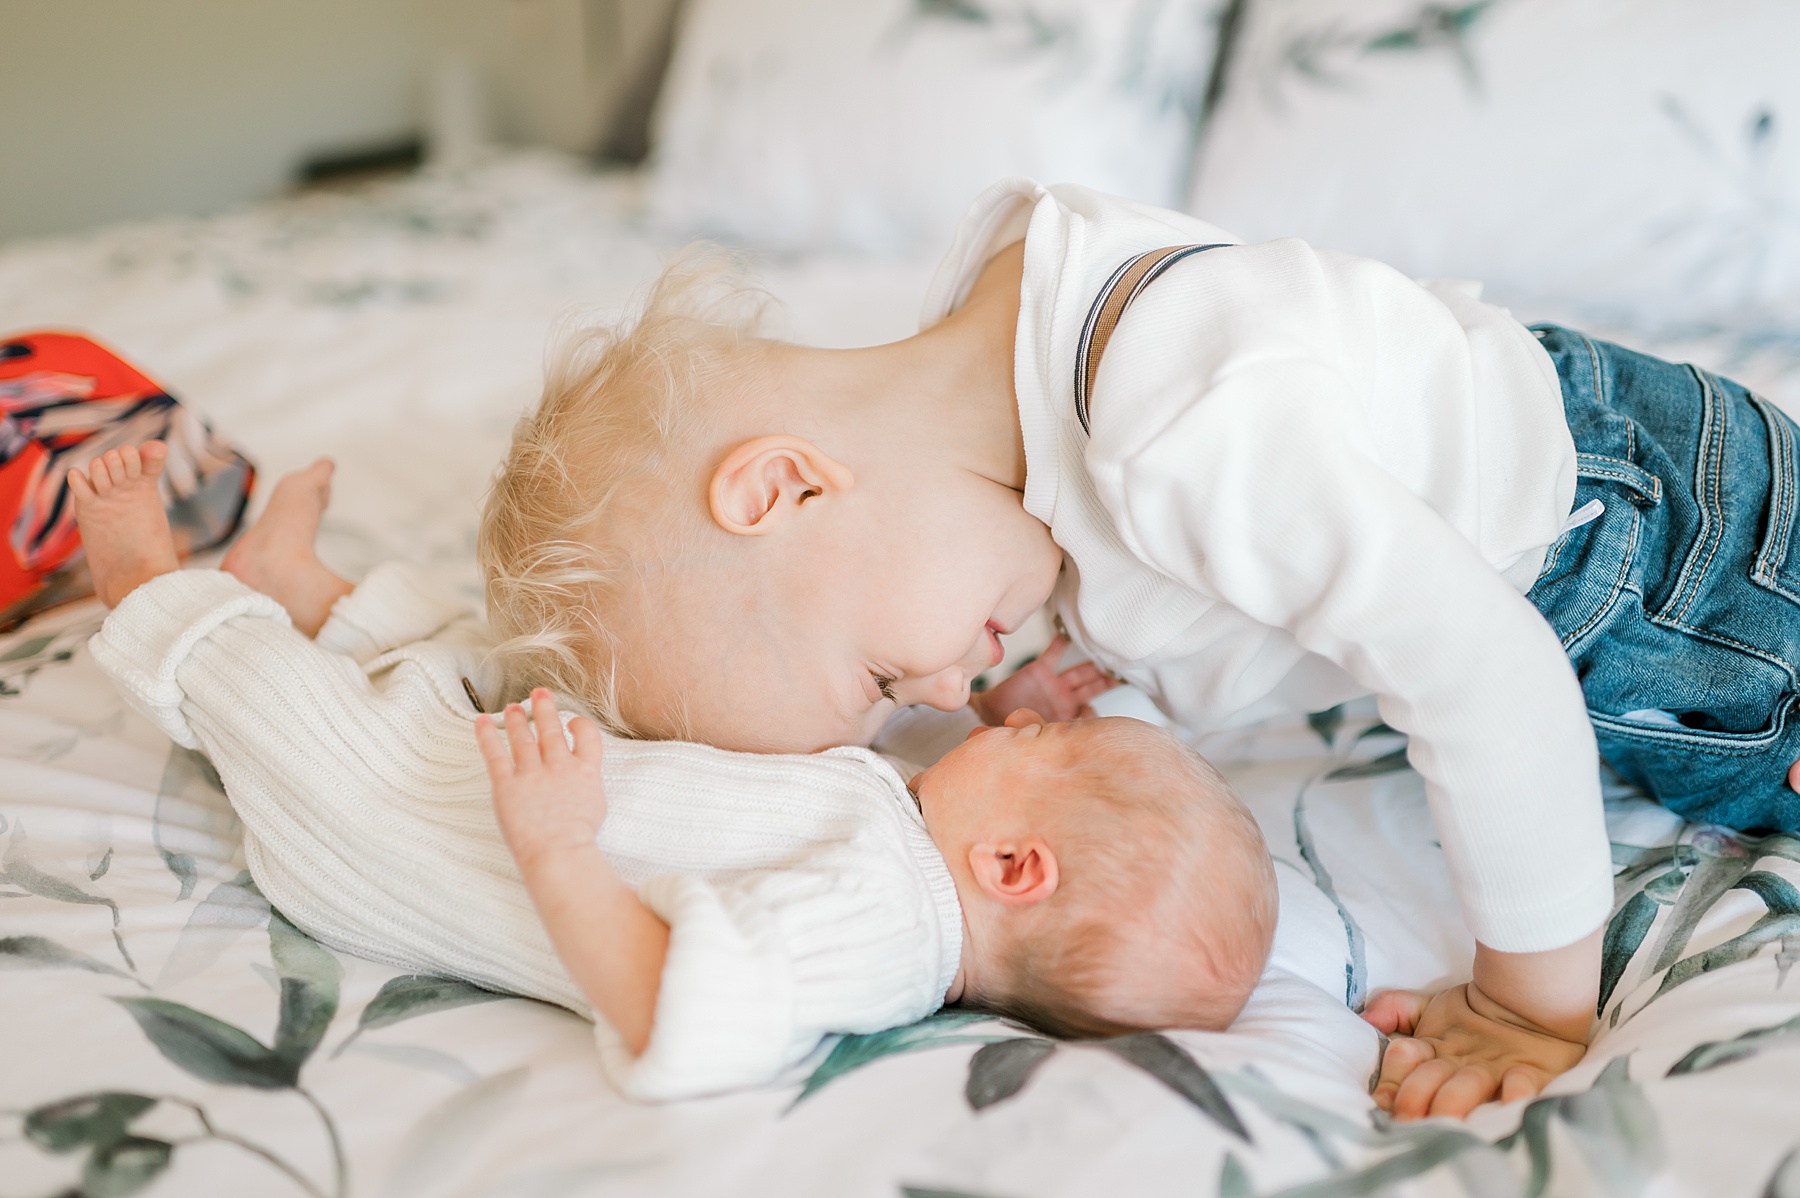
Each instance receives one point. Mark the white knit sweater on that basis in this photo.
(1310, 477)
(803, 893)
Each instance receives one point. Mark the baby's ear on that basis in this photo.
(768, 478)
(1015, 873)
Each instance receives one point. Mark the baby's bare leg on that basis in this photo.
(124, 529)
(276, 555)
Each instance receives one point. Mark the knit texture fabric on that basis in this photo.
(803, 893)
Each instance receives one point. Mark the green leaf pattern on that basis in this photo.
(852, 1053)
(412, 995)
(1675, 889)
(1000, 1070)
(1175, 1068)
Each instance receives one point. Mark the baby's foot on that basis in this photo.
(276, 556)
(124, 529)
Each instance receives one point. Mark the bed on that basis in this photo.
(163, 1031)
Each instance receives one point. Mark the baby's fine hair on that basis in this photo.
(1156, 852)
(589, 496)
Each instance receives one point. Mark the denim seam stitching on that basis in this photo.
(1718, 429)
(1708, 465)
(1618, 585)
(1554, 556)
(1593, 353)
(1699, 742)
(1707, 634)
(1781, 514)
(1627, 473)
(1713, 524)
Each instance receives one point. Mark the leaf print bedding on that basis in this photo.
(164, 1031)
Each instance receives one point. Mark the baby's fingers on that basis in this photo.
(1092, 688)
(1467, 1089)
(550, 742)
(1395, 1012)
(493, 749)
(1053, 651)
(1404, 1056)
(518, 737)
(590, 745)
(1420, 1089)
(1521, 1082)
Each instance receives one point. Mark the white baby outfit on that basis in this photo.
(803, 893)
(1307, 478)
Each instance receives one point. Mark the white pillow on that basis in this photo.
(1640, 158)
(871, 124)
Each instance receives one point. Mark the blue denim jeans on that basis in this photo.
(1679, 605)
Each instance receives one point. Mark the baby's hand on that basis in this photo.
(1055, 696)
(548, 799)
(1456, 1049)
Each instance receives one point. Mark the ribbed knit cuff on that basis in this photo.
(942, 888)
(725, 1010)
(152, 631)
(1552, 917)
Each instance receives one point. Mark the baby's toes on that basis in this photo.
(153, 455)
(121, 463)
(100, 472)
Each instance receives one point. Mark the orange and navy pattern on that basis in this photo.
(64, 401)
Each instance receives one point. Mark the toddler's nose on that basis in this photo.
(947, 690)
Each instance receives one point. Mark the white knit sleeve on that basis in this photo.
(392, 606)
(368, 819)
(1264, 493)
(152, 631)
(724, 1012)
(763, 965)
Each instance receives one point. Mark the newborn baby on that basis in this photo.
(719, 911)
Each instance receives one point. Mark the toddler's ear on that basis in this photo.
(1015, 873)
(767, 478)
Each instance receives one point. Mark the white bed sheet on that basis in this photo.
(400, 330)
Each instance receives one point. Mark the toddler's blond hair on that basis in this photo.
(594, 493)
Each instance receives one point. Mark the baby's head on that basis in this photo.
(1111, 881)
(707, 535)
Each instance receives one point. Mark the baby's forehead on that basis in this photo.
(1123, 740)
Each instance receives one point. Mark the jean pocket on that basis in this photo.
(1775, 567)
(1734, 778)
(1589, 566)
(1671, 733)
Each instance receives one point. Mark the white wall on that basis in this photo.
(112, 109)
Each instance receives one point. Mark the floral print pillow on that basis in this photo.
(1586, 158)
(801, 124)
